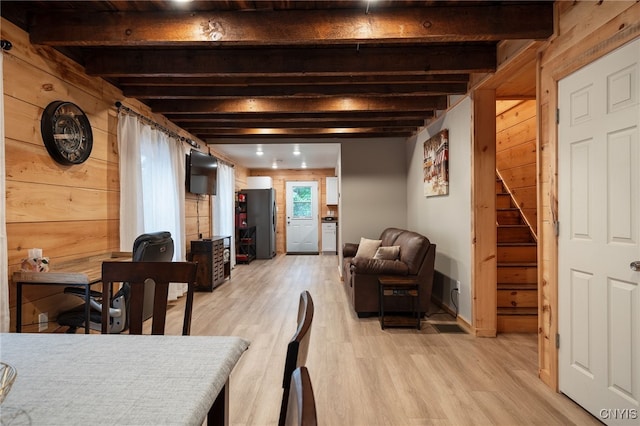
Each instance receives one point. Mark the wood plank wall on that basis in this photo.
(280, 177)
(585, 31)
(516, 154)
(70, 212)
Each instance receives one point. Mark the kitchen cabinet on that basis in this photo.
(331, 187)
(329, 237)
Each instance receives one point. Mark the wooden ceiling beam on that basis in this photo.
(212, 125)
(318, 90)
(217, 81)
(310, 105)
(185, 119)
(277, 137)
(435, 59)
(462, 22)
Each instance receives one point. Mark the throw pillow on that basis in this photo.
(387, 253)
(367, 247)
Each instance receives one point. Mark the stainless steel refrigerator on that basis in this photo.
(261, 213)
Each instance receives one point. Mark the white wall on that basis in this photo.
(446, 220)
(373, 187)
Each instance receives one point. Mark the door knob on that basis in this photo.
(635, 266)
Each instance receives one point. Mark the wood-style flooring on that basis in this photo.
(363, 375)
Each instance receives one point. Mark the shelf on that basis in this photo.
(246, 244)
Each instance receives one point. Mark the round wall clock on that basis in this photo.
(66, 133)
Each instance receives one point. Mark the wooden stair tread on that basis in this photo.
(517, 264)
(518, 311)
(518, 244)
(517, 286)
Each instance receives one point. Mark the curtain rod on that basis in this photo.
(156, 125)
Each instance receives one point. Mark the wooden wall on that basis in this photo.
(585, 31)
(280, 177)
(516, 153)
(70, 212)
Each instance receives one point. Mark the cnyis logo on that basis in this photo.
(618, 414)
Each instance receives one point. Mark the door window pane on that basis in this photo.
(302, 202)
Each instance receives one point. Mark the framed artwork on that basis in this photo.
(435, 166)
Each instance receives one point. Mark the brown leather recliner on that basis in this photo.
(360, 275)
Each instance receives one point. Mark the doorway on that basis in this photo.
(302, 217)
(599, 237)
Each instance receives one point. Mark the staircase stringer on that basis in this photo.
(515, 203)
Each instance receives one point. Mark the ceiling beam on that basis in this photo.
(291, 80)
(269, 105)
(214, 125)
(309, 133)
(463, 22)
(435, 59)
(381, 116)
(317, 90)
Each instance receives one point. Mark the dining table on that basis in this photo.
(118, 379)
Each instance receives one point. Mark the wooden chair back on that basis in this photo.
(136, 274)
(298, 347)
(301, 409)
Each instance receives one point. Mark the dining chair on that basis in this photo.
(301, 409)
(297, 348)
(136, 274)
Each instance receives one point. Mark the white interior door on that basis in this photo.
(302, 217)
(598, 207)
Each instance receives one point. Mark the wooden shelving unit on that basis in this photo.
(246, 244)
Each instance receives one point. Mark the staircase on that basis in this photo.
(517, 267)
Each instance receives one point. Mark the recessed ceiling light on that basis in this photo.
(259, 152)
(274, 165)
(303, 165)
(296, 150)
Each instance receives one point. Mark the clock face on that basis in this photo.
(66, 133)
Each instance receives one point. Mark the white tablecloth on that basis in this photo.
(78, 379)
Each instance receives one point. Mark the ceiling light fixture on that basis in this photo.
(274, 165)
(296, 150)
(303, 165)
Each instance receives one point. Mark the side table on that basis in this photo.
(399, 286)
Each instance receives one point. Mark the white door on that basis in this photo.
(599, 215)
(302, 217)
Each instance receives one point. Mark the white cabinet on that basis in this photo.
(329, 237)
(332, 190)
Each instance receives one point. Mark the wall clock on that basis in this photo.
(66, 133)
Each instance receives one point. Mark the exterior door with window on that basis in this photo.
(599, 236)
(302, 217)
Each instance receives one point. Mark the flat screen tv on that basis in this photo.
(202, 173)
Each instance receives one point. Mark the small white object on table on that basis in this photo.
(82, 379)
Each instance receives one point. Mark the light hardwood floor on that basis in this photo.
(363, 375)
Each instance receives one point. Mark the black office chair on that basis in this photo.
(151, 247)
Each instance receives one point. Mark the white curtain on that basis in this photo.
(152, 176)
(223, 206)
(5, 317)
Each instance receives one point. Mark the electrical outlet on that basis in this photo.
(457, 289)
(43, 321)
